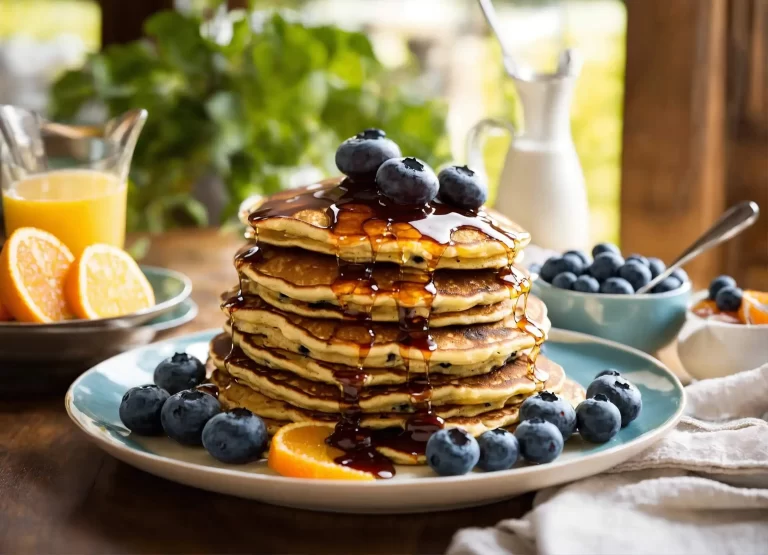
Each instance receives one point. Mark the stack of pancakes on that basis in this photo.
(350, 309)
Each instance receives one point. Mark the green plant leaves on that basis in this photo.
(252, 109)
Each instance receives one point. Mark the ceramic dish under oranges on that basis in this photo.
(75, 310)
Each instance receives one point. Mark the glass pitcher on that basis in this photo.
(68, 180)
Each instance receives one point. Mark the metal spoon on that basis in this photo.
(733, 221)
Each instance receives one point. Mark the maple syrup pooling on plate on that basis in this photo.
(358, 214)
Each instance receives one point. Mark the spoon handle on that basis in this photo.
(733, 221)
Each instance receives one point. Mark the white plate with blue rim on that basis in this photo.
(94, 398)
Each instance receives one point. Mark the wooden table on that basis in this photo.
(60, 493)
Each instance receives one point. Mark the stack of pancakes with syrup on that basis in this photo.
(387, 321)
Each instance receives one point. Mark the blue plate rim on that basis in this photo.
(648, 438)
(153, 311)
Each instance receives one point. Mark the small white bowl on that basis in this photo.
(713, 348)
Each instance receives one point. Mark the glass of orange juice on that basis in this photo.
(67, 180)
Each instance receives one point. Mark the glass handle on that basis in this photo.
(476, 140)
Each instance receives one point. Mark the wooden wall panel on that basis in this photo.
(673, 163)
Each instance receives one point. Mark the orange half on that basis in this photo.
(33, 268)
(105, 282)
(299, 451)
(754, 307)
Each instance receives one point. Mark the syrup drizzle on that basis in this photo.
(359, 216)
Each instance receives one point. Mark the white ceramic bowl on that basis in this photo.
(712, 348)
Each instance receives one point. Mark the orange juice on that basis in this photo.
(79, 207)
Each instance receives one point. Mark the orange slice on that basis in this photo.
(299, 451)
(105, 282)
(754, 307)
(33, 267)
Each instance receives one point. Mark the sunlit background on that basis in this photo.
(433, 49)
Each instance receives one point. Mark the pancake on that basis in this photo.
(255, 348)
(355, 222)
(507, 384)
(276, 413)
(310, 277)
(343, 342)
(479, 314)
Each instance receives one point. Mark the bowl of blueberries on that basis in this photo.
(596, 295)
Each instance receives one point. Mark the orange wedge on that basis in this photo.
(105, 282)
(299, 451)
(754, 307)
(33, 267)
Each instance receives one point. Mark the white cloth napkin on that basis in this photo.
(703, 488)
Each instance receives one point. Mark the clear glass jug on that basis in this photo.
(68, 180)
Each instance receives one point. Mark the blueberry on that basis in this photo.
(540, 441)
(558, 265)
(608, 372)
(598, 419)
(362, 155)
(551, 408)
(235, 437)
(564, 280)
(498, 450)
(635, 273)
(616, 286)
(605, 265)
(718, 283)
(407, 181)
(680, 274)
(586, 284)
(668, 284)
(638, 258)
(452, 452)
(179, 372)
(621, 393)
(657, 266)
(462, 187)
(581, 255)
(728, 299)
(185, 414)
(601, 248)
(140, 409)
(534, 269)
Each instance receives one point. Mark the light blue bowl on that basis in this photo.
(646, 322)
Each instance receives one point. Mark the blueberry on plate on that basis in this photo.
(728, 299)
(540, 441)
(534, 269)
(452, 452)
(638, 258)
(608, 372)
(552, 408)
(635, 273)
(601, 248)
(462, 187)
(407, 181)
(719, 283)
(185, 414)
(621, 393)
(498, 450)
(564, 280)
(581, 255)
(179, 372)
(667, 284)
(140, 409)
(605, 265)
(235, 437)
(656, 265)
(586, 284)
(598, 419)
(616, 286)
(362, 155)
